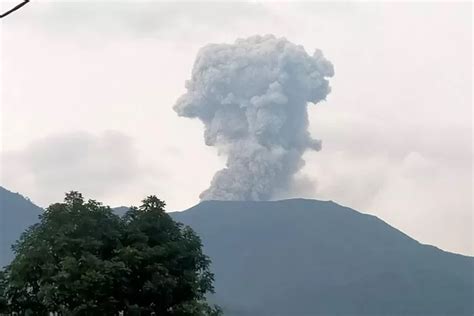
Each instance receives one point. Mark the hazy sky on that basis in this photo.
(88, 89)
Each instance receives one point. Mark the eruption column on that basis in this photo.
(252, 97)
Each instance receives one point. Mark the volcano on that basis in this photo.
(305, 257)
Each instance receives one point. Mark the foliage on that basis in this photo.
(3, 298)
(82, 259)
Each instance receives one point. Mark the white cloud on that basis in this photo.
(100, 166)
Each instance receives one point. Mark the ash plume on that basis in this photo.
(252, 97)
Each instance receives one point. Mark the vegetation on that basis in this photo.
(82, 259)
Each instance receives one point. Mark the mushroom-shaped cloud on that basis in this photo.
(252, 97)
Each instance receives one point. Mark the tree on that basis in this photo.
(82, 259)
(67, 261)
(3, 297)
(169, 274)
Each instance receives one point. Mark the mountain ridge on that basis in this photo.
(297, 252)
(324, 201)
(16, 214)
(302, 257)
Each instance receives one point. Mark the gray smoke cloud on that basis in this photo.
(252, 97)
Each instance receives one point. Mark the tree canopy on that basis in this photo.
(82, 259)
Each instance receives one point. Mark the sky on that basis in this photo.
(87, 90)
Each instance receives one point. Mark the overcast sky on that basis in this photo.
(88, 90)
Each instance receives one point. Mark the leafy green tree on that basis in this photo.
(3, 296)
(82, 259)
(169, 274)
(67, 261)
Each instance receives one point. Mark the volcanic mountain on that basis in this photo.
(16, 214)
(305, 257)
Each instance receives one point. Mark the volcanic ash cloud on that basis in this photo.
(252, 97)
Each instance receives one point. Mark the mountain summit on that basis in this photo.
(305, 257)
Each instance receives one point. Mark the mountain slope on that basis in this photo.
(303, 257)
(16, 214)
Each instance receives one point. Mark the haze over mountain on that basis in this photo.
(306, 257)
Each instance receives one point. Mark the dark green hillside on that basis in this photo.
(304, 257)
(16, 214)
